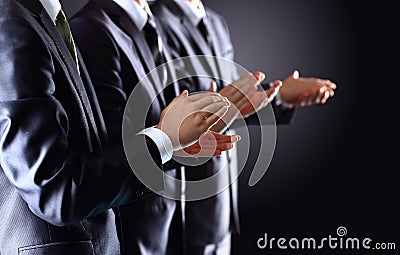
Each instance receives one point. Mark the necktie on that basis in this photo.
(65, 32)
(202, 26)
(203, 30)
(153, 40)
(156, 47)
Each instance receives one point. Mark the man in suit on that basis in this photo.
(58, 180)
(124, 33)
(193, 29)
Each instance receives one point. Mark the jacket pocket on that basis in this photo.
(60, 248)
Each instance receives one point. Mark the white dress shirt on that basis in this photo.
(52, 7)
(161, 139)
(194, 14)
(135, 12)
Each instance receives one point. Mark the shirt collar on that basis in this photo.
(194, 14)
(135, 12)
(52, 7)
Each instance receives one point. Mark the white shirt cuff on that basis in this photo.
(162, 142)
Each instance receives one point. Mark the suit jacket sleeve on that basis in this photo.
(282, 113)
(60, 185)
(113, 85)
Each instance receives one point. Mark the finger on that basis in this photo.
(316, 98)
(213, 86)
(238, 98)
(301, 100)
(200, 95)
(197, 152)
(217, 153)
(277, 83)
(259, 76)
(273, 91)
(213, 118)
(209, 148)
(227, 138)
(209, 153)
(219, 146)
(190, 150)
(234, 92)
(295, 75)
(210, 100)
(330, 84)
(244, 82)
(224, 146)
(182, 95)
(325, 97)
(212, 108)
(221, 138)
(330, 90)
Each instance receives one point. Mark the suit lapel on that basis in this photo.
(219, 62)
(86, 81)
(123, 30)
(48, 35)
(127, 46)
(191, 31)
(72, 69)
(185, 29)
(171, 69)
(197, 38)
(137, 36)
(213, 34)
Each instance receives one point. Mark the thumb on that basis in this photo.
(260, 76)
(273, 90)
(277, 84)
(182, 95)
(213, 86)
(295, 74)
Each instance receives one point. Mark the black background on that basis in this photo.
(336, 164)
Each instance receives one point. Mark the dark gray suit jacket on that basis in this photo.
(58, 180)
(118, 57)
(185, 39)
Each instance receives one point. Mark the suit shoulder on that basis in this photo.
(89, 27)
(90, 17)
(90, 9)
(216, 18)
(15, 28)
(213, 14)
(4, 7)
(90, 22)
(10, 9)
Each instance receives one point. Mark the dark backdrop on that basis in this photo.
(335, 165)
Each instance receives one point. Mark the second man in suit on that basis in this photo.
(121, 43)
